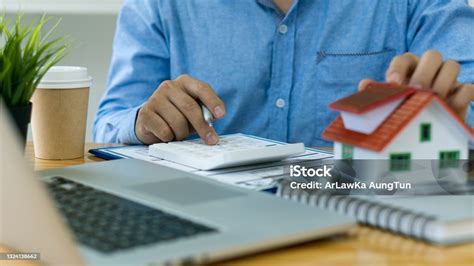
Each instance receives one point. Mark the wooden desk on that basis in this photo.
(362, 246)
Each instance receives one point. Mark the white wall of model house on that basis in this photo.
(446, 135)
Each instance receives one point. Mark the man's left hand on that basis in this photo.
(432, 73)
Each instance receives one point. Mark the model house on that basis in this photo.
(399, 124)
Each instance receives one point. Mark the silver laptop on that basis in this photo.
(129, 212)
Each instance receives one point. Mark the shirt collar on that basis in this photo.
(271, 4)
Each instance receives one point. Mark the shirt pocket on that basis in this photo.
(342, 70)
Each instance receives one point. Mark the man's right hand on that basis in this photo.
(173, 112)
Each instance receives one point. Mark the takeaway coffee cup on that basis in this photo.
(59, 114)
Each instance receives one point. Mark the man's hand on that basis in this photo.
(431, 72)
(173, 112)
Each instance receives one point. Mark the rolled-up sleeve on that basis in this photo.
(446, 26)
(140, 62)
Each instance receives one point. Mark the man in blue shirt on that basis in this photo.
(271, 67)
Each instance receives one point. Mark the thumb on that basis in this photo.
(363, 84)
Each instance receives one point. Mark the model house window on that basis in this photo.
(449, 159)
(425, 132)
(400, 161)
(347, 151)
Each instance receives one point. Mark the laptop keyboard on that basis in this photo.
(108, 223)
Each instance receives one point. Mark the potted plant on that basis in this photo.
(26, 54)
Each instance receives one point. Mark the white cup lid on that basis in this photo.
(65, 77)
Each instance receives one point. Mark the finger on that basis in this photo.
(363, 84)
(142, 133)
(192, 111)
(461, 98)
(157, 126)
(174, 118)
(426, 70)
(453, 91)
(203, 91)
(446, 79)
(401, 68)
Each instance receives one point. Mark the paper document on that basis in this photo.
(256, 177)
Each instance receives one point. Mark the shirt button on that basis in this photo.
(280, 103)
(283, 29)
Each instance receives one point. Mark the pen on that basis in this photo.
(207, 115)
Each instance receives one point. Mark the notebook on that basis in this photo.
(442, 219)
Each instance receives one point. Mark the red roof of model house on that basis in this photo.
(415, 102)
(374, 96)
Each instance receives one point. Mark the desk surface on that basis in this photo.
(362, 246)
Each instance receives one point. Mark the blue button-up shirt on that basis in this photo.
(276, 72)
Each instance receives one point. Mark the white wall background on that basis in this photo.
(91, 24)
(93, 36)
